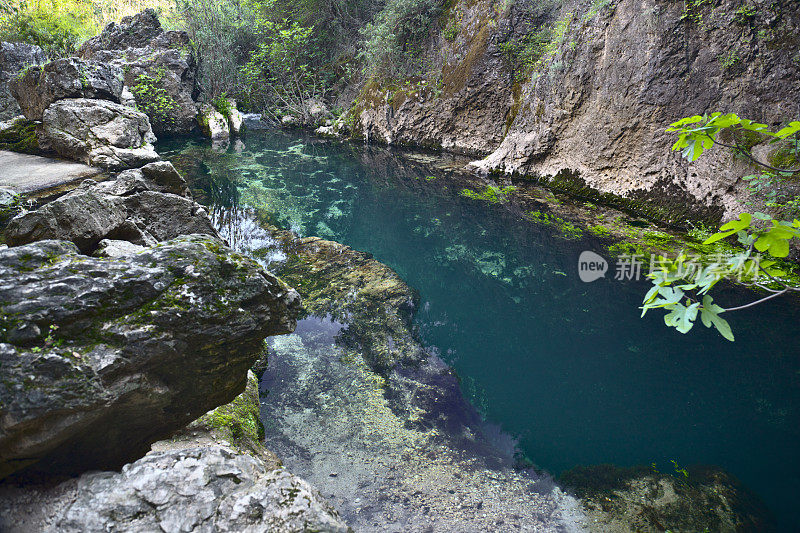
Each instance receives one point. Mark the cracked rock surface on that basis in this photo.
(101, 357)
(98, 132)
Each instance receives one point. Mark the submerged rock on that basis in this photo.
(101, 357)
(356, 405)
(159, 68)
(69, 77)
(638, 499)
(99, 133)
(14, 57)
(143, 206)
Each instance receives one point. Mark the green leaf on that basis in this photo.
(743, 222)
(675, 126)
(791, 129)
(725, 121)
(752, 126)
(718, 236)
(682, 317)
(776, 247)
(709, 315)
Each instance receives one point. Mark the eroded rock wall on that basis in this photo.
(594, 109)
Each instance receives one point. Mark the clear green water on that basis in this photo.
(566, 367)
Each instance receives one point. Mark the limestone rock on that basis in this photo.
(131, 32)
(98, 132)
(318, 111)
(212, 124)
(159, 68)
(140, 206)
(14, 57)
(640, 499)
(592, 115)
(101, 357)
(235, 118)
(70, 77)
(127, 98)
(9, 204)
(200, 489)
(115, 248)
(290, 121)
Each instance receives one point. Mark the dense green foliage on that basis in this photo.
(280, 70)
(682, 285)
(58, 26)
(153, 99)
(222, 34)
(271, 56)
(394, 41)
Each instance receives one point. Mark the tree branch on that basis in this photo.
(747, 154)
(762, 300)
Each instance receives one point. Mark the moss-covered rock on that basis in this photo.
(19, 135)
(238, 422)
(10, 202)
(123, 351)
(212, 123)
(644, 500)
(351, 286)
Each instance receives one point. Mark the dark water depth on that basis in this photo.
(568, 368)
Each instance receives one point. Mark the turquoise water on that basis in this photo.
(566, 367)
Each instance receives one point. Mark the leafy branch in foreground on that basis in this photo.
(682, 285)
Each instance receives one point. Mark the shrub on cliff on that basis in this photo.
(394, 41)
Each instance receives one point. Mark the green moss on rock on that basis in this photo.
(20, 136)
(238, 422)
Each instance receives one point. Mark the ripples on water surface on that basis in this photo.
(567, 367)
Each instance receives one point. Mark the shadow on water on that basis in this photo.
(568, 368)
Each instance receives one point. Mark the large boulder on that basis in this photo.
(213, 123)
(142, 206)
(220, 120)
(159, 68)
(14, 57)
(99, 358)
(70, 77)
(98, 132)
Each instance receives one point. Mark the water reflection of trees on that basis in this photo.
(240, 228)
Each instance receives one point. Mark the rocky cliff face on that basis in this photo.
(592, 112)
(159, 68)
(13, 58)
